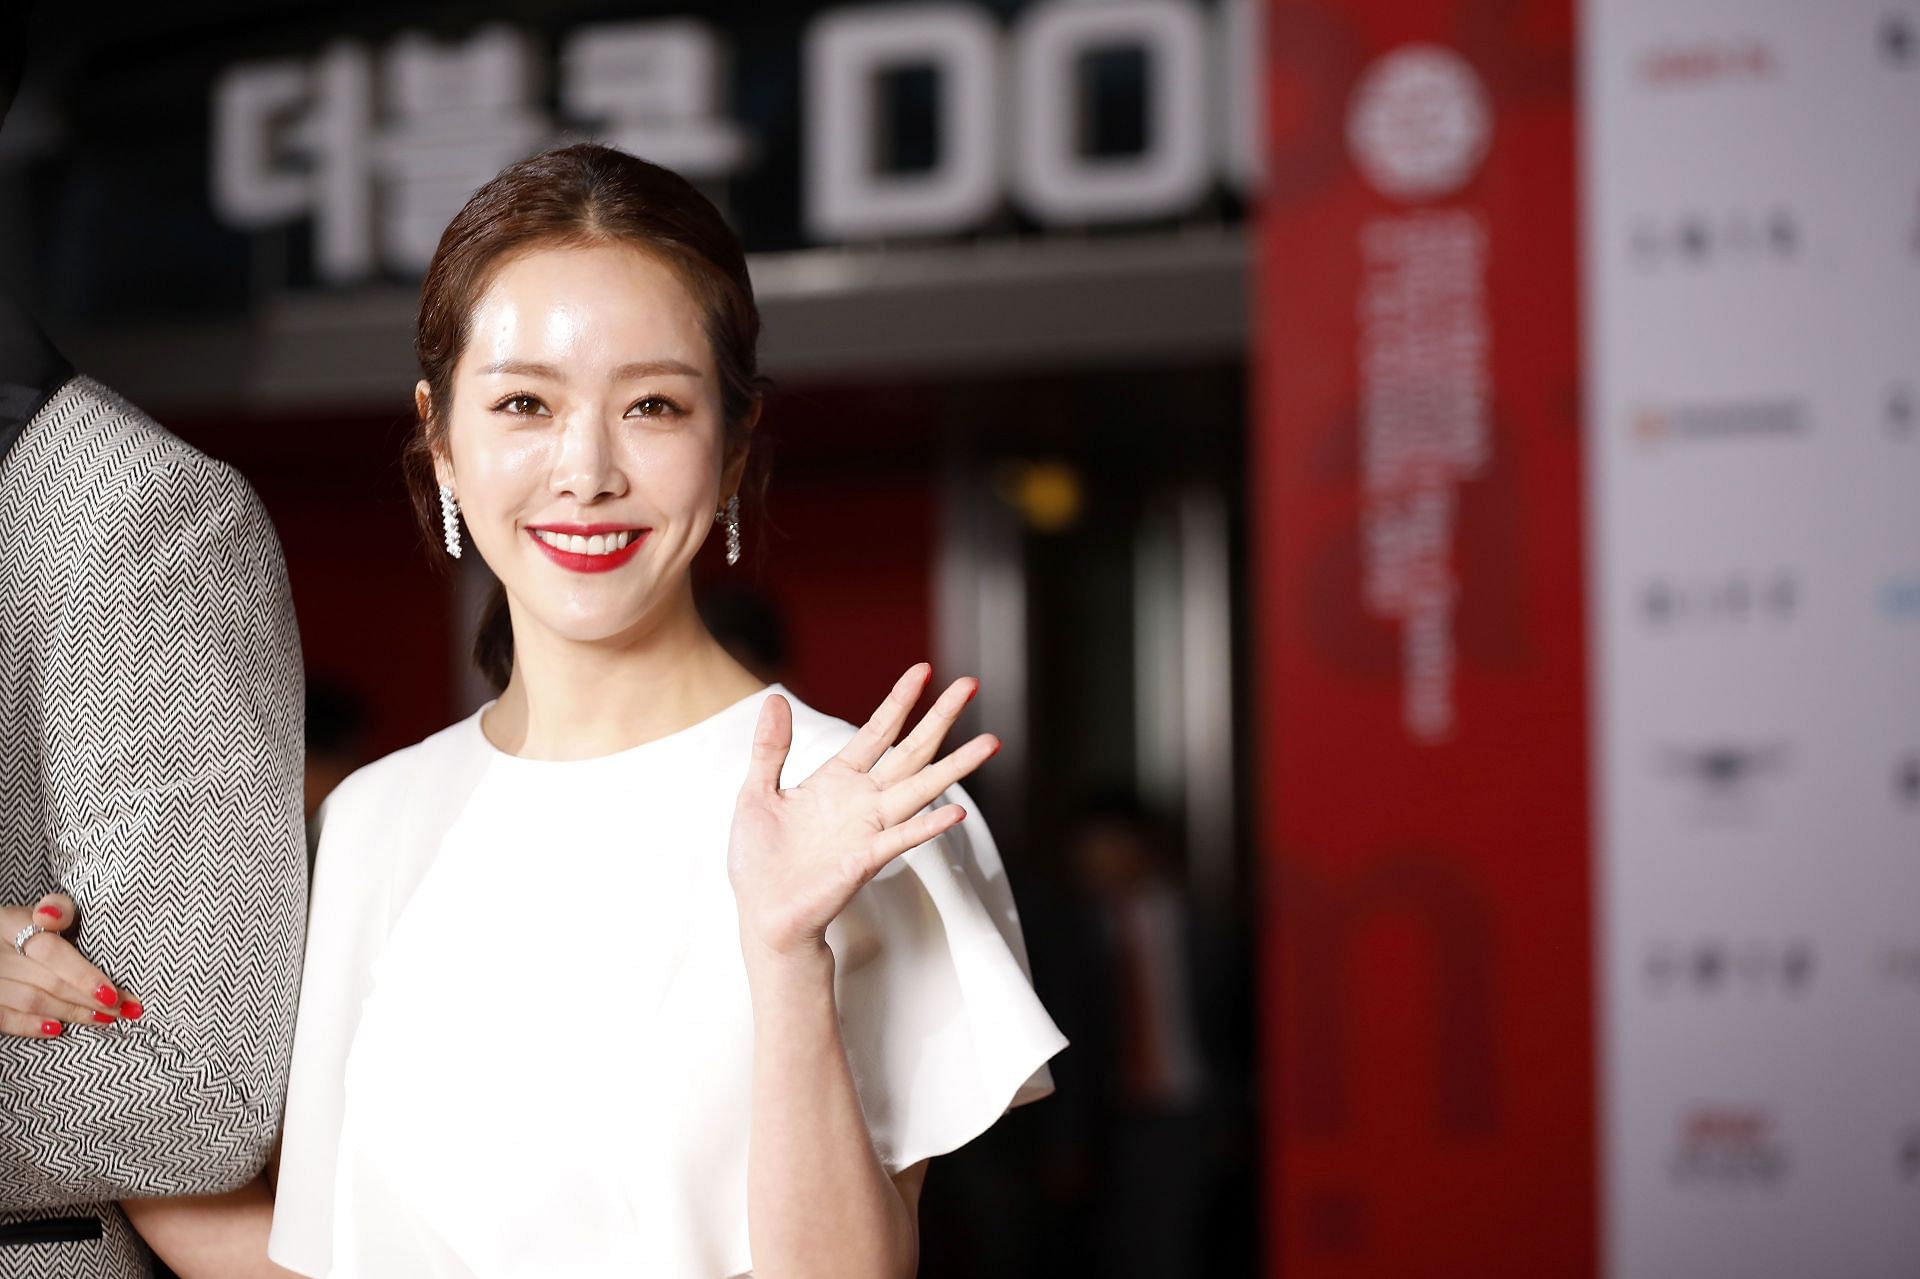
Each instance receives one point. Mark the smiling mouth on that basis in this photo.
(592, 549)
(598, 544)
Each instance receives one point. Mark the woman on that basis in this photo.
(586, 991)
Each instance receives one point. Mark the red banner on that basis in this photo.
(1422, 727)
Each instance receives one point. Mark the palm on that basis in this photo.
(796, 857)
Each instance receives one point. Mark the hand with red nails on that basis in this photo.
(796, 857)
(52, 983)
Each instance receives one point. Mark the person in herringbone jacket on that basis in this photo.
(150, 820)
(152, 855)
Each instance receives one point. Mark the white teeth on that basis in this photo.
(599, 544)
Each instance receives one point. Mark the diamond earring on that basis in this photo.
(450, 519)
(731, 514)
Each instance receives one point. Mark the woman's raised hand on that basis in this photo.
(47, 983)
(796, 857)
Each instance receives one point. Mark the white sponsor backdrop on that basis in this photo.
(1752, 271)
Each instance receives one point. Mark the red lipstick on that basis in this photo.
(589, 563)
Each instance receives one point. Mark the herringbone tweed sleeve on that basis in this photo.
(173, 702)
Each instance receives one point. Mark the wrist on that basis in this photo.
(801, 964)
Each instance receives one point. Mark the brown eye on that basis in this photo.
(662, 407)
(507, 405)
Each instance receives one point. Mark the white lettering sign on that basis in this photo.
(380, 149)
(294, 139)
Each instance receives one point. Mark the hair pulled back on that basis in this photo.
(576, 196)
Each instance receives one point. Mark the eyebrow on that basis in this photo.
(634, 369)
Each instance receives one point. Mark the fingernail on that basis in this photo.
(107, 995)
(131, 1009)
(51, 912)
(972, 691)
(105, 1019)
(49, 1028)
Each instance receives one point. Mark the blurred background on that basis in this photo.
(1430, 491)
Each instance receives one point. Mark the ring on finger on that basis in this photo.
(25, 935)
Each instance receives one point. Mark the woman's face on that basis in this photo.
(585, 443)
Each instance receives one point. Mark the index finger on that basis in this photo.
(82, 982)
(54, 912)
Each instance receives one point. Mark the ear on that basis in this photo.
(736, 463)
(423, 407)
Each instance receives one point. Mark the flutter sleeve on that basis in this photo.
(942, 1028)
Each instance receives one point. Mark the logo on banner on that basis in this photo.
(1418, 123)
(1326, 921)
(1704, 64)
(1734, 599)
(1716, 967)
(1769, 418)
(1723, 780)
(1700, 240)
(1729, 1145)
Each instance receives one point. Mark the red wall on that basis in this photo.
(375, 613)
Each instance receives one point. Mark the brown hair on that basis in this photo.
(578, 195)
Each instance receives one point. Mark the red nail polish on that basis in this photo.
(131, 1009)
(50, 912)
(107, 995)
(49, 1028)
(105, 1019)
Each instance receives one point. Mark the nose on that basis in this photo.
(586, 468)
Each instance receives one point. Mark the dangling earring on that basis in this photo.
(732, 516)
(450, 519)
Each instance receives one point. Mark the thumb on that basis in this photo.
(772, 736)
(55, 912)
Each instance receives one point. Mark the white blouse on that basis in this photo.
(525, 1037)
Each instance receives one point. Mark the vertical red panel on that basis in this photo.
(1427, 1028)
